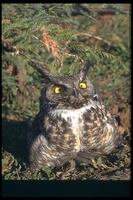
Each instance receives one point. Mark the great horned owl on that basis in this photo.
(73, 122)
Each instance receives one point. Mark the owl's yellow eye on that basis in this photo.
(57, 89)
(82, 85)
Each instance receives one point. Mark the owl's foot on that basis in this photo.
(68, 170)
(86, 157)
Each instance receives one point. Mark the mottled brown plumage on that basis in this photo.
(73, 122)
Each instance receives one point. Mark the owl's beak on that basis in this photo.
(75, 92)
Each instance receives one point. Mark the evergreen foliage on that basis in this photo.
(48, 35)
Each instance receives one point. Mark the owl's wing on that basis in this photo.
(36, 128)
(101, 136)
(87, 156)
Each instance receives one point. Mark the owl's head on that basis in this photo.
(71, 91)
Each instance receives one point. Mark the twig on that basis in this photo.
(38, 39)
(97, 37)
(73, 55)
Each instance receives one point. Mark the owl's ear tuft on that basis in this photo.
(46, 75)
(84, 71)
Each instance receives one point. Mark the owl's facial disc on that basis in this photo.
(73, 95)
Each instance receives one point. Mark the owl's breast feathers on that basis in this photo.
(67, 132)
(92, 126)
